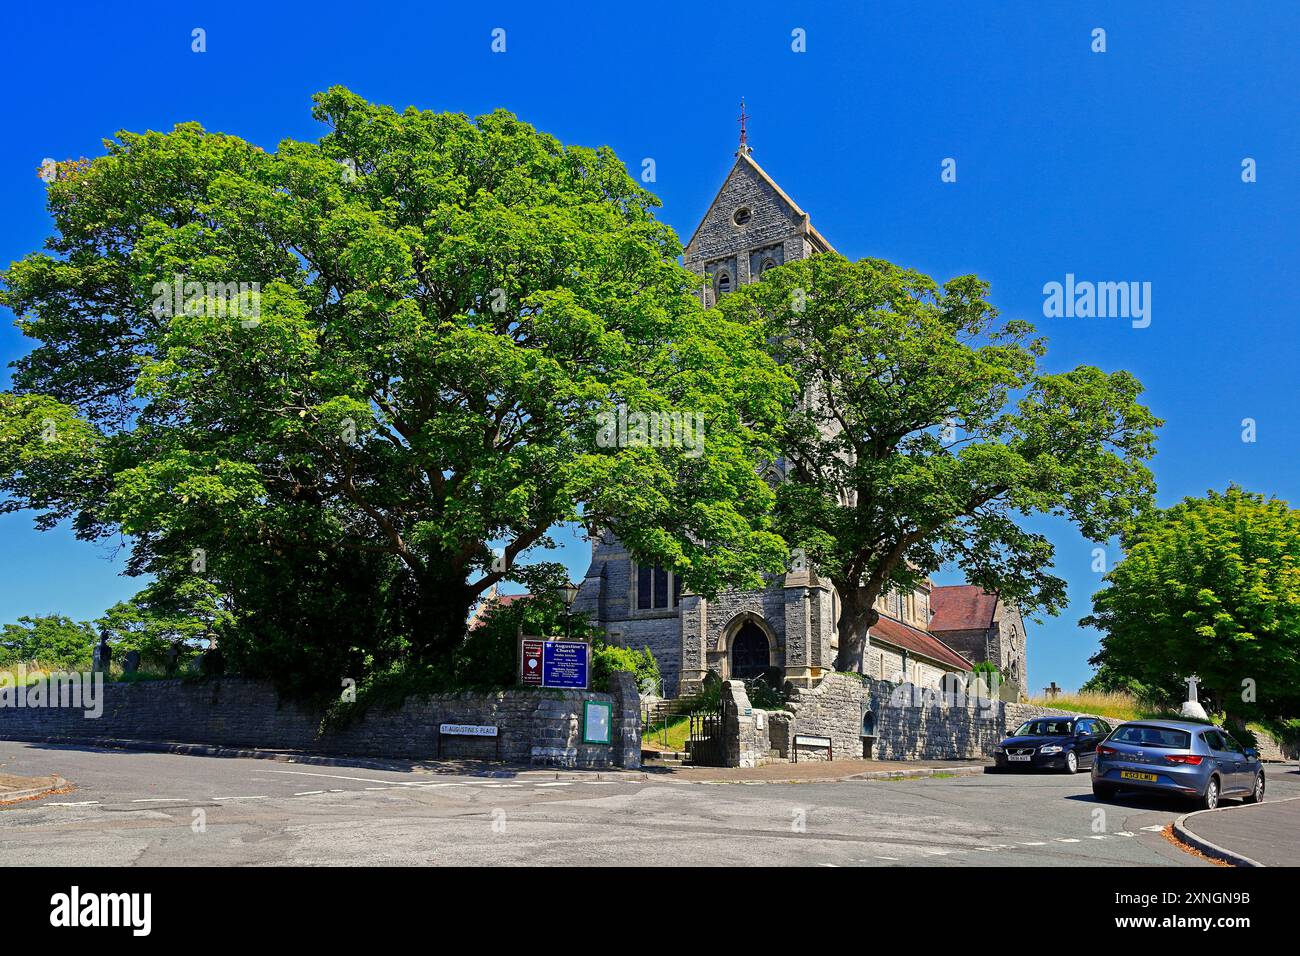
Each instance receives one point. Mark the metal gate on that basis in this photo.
(704, 747)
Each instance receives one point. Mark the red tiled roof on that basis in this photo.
(961, 607)
(889, 631)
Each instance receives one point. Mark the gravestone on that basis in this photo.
(212, 663)
(131, 662)
(102, 656)
(171, 659)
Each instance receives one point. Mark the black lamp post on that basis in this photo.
(568, 594)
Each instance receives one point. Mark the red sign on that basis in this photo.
(530, 664)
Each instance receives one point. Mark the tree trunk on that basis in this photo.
(857, 615)
(441, 616)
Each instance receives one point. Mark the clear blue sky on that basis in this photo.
(1123, 165)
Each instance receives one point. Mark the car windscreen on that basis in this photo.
(1145, 736)
(1044, 728)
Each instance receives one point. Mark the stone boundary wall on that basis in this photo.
(1272, 750)
(536, 726)
(1017, 714)
(906, 728)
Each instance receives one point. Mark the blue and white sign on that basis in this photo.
(564, 664)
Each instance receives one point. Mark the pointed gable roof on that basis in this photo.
(745, 165)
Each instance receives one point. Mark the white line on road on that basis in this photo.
(160, 800)
(1154, 829)
(1066, 840)
(258, 797)
(308, 793)
(83, 803)
(339, 776)
(1034, 843)
(563, 784)
(1123, 833)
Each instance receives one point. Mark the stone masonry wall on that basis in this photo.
(535, 726)
(907, 726)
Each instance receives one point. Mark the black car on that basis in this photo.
(1052, 743)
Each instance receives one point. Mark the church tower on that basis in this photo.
(786, 631)
(751, 226)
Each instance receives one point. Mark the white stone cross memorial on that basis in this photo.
(1192, 708)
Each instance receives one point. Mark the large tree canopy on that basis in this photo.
(436, 312)
(1209, 587)
(928, 429)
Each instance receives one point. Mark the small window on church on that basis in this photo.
(724, 283)
(767, 264)
(742, 216)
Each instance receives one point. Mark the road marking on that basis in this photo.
(1066, 840)
(892, 859)
(430, 786)
(258, 797)
(1123, 833)
(1098, 836)
(563, 784)
(339, 776)
(1154, 829)
(504, 786)
(83, 803)
(308, 793)
(160, 800)
(1034, 843)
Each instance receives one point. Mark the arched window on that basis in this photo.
(767, 264)
(724, 282)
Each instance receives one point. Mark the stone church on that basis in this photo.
(789, 627)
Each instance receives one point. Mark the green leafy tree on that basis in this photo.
(51, 640)
(928, 429)
(436, 311)
(1209, 587)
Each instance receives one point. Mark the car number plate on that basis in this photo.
(1134, 775)
(1024, 757)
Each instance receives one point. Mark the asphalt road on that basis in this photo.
(132, 808)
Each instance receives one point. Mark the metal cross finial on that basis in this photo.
(744, 132)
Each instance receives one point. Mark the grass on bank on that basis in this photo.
(669, 735)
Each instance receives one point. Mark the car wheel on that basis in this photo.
(1103, 791)
(1071, 762)
(1257, 795)
(1210, 798)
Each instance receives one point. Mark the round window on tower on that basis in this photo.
(742, 216)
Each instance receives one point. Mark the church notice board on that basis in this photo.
(545, 663)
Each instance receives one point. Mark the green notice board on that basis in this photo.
(597, 722)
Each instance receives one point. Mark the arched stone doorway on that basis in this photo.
(751, 654)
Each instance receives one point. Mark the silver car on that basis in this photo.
(1180, 758)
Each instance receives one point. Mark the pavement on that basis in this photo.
(134, 808)
(1260, 834)
(823, 771)
(14, 788)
